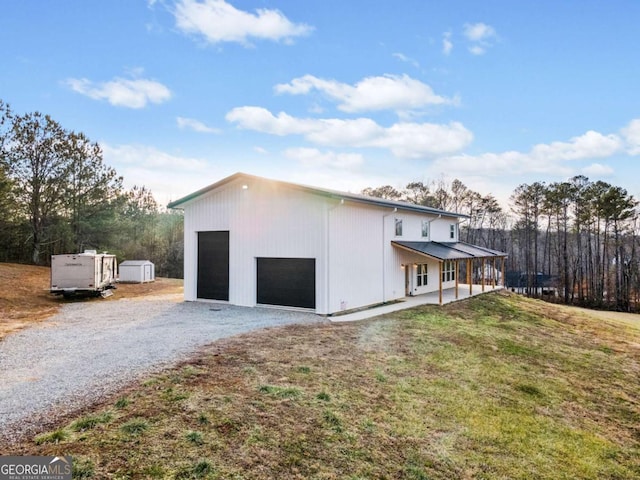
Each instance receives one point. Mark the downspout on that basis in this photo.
(439, 262)
(431, 221)
(327, 251)
(384, 263)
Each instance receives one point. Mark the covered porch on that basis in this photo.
(483, 272)
(483, 268)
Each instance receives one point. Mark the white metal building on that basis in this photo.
(252, 241)
(137, 271)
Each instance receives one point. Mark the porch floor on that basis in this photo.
(431, 298)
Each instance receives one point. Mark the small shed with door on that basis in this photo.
(137, 271)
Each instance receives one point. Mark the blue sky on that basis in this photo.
(337, 94)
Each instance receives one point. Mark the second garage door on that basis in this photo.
(288, 282)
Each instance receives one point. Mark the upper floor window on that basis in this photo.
(425, 229)
(452, 231)
(398, 227)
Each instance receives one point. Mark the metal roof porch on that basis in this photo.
(455, 252)
(449, 250)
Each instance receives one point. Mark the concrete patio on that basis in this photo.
(432, 298)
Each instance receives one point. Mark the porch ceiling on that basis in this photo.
(449, 250)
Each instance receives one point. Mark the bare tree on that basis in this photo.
(386, 192)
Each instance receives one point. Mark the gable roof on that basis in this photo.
(335, 194)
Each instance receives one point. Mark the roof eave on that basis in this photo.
(379, 202)
(207, 189)
(413, 250)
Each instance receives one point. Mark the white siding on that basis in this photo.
(365, 268)
(136, 271)
(433, 267)
(440, 230)
(356, 264)
(262, 222)
(355, 253)
(412, 227)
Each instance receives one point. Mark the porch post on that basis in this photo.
(495, 273)
(440, 281)
(504, 274)
(482, 271)
(470, 275)
(457, 273)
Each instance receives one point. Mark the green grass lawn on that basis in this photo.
(495, 387)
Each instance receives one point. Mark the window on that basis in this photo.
(423, 275)
(452, 231)
(398, 227)
(425, 228)
(448, 271)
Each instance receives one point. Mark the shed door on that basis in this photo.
(288, 282)
(147, 273)
(213, 265)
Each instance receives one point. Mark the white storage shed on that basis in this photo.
(137, 271)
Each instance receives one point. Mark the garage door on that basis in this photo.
(213, 265)
(288, 282)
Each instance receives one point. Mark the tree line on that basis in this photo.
(58, 196)
(576, 240)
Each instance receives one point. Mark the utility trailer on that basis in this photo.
(83, 274)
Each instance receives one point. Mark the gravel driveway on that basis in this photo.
(91, 349)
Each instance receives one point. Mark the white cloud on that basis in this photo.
(262, 120)
(478, 32)
(405, 139)
(548, 159)
(631, 135)
(447, 45)
(122, 92)
(477, 50)
(316, 108)
(403, 58)
(218, 21)
(359, 132)
(260, 150)
(590, 145)
(150, 157)
(313, 158)
(417, 140)
(388, 92)
(168, 176)
(481, 37)
(195, 125)
(597, 170)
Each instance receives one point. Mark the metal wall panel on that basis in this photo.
(441, 229)
(356, 265)
(355, 249)
(263, 221)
